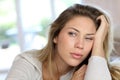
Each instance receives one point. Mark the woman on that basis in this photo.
(78, 34)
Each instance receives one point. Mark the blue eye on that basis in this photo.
(72, 34)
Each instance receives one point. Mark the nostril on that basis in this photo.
(79, 45)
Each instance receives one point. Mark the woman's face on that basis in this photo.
(75, 40)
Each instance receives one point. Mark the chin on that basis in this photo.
(74, 64)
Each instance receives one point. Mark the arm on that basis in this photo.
(97, 66)
(100, 37)
(21, 70)
(97, 69)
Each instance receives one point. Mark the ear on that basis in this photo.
(55, 40)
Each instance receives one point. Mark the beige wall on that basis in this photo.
(113, 8)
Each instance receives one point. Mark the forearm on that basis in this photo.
(98, 49)
(97, 69)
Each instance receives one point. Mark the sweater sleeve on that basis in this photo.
(22, 70)
(97, 69)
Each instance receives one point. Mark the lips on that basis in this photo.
(76, 55)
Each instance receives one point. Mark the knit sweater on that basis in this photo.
(26, 66)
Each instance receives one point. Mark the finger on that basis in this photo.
(79, 74)
(104, 20)
(82, 70)
(103, 29)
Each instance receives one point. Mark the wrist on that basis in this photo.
(98, 50)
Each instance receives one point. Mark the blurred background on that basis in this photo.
(24, 25)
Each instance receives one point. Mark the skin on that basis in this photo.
(100, 37)
(74, 43)
(79, 74)
(97, 47)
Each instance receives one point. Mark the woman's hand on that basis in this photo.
(80, 73)
(100, 36)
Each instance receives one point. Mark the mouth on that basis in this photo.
(76, 55)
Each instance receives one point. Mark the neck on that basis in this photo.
(61, 66)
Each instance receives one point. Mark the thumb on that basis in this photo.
(79, 74)
(82, 70)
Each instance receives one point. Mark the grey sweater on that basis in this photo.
(26, 66)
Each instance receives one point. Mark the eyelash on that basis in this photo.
(89, 38)
(75, 34)
(72, 33)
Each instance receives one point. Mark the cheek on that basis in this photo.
(88, 47)
(64, 42)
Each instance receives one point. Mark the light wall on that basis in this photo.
(113, 8)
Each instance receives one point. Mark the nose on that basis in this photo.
(79, 43)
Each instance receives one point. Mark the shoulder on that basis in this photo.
(31, 57)
(29, 53)
(27, 65)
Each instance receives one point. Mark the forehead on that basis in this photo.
(81, 22)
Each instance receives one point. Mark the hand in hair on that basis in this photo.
(100, 37)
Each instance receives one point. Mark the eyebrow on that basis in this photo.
(74, 29)
(91, 34)
(79, 31)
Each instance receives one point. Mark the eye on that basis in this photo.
(72, 34)
(89, 38)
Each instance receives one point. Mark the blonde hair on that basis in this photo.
(109, 47)
(115, 72)
(48, 52)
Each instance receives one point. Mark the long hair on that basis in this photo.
(47, 54)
